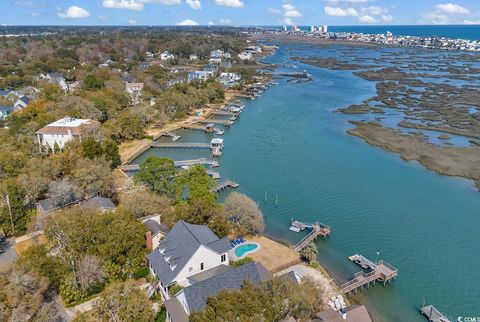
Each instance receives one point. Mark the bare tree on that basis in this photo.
(89, 271)
(244, 213)
(63, 192)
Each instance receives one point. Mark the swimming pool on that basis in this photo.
(242, 250)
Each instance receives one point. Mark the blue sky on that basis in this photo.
(238, 12)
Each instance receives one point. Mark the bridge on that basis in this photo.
(166, 145)
(383, 272)
(225, 185)
(317, 230)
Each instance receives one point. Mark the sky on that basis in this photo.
(239, 12)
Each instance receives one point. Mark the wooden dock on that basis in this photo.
(178, 164)
(214, 175)
(220, 122)
(195, 127)
(317, 230)
(226, 113)
(167, 145)
(383, 272)
(432, 314)
(225, 185)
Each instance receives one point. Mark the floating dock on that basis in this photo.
(172, 135)
(180, 145)
(318, 229)
(362, 261)
(383, 272)
(432, 314)
(225, 185)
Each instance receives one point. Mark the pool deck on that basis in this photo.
(273, 255)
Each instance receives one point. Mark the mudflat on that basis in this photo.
(451, 161)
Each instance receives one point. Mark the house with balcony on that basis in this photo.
(64, 130)
(186, 251)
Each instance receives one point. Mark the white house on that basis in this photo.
(21, 103)
(186, 251)
(193, 57)
(166, 56)
(245, 55)
(5, 111)
(63, 131)
(56, 78)
(203, 75)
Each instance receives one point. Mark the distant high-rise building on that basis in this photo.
(389, 37)
(324, 28)
(313, 28)
(285, 28)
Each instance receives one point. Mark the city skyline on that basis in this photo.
(239, 12)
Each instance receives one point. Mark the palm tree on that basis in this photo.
(309, 252)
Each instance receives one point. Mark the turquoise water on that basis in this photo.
(291, 144)
(242, 249)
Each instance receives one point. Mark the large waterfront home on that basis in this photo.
(64, 130)
(194, 297)
(186, 251)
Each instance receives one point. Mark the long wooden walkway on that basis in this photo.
(226, 113)
(178, 164)
(317, 230)
(432, 314)
(225, 185)
(166, 145)
(214, 121)
(383, 272)
(195, 127)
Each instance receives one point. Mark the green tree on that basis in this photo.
(157, 174)
(91, 148)
(92, 83)
(273, 300)
(19, 211)
(142, 203)
(111, 153)
(52, 92)
(124, 302)
(309, 252)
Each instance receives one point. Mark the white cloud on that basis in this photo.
(452, 9)
(123, 4)
(275, 11)
(339, 12)
(132, 22)
(73, 12)
(194, 4)
(188, 22)
(166, 2)
(446, 13)
(374, 11)
(230, 3)
(225, 22)
(367, 19)
(387, 18)
(288, 21)
(102, 17)
(290, 11)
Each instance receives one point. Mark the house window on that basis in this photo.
(223, 258)
(190, 269)
(201, 266)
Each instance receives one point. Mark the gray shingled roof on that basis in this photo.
(178, 247)
(197, 294)
(6, 108)
(155, 227)
(25, 99)
(99, 202)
